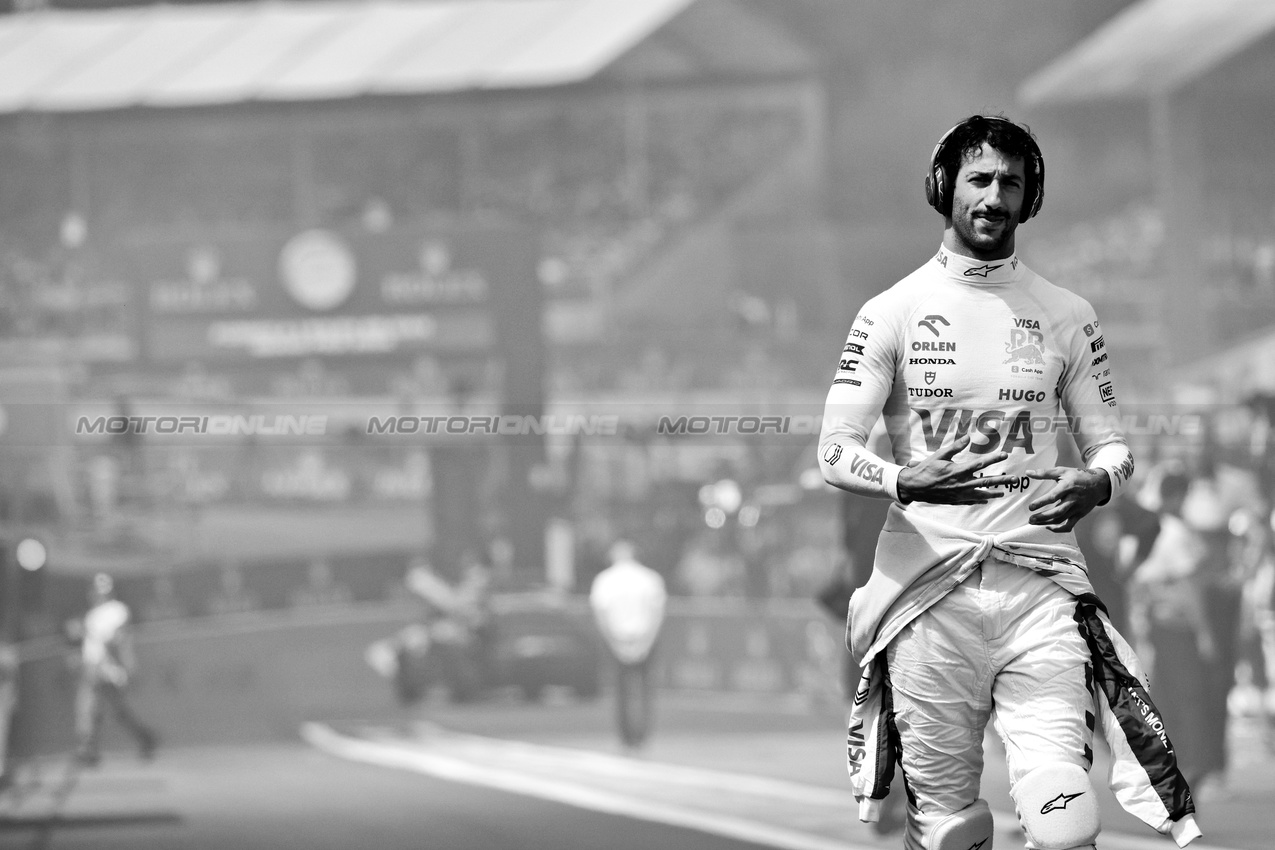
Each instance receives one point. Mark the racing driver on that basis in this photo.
(979, 604)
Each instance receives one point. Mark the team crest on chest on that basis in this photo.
(1025, 348)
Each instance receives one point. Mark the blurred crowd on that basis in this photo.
(1187, 569)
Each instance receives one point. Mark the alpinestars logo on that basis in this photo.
(982, 271)
(928, 322)
(1059, 803)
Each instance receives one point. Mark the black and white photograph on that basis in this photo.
(582, 424)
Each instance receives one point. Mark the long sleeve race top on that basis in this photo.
(966, 346)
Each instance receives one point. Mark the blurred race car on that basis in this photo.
(534, 641)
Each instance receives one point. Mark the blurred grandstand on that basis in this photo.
(379, 225)
(295, 219)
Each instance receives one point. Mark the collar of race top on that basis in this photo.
(971, 270)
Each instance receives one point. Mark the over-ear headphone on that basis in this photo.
(938, 183)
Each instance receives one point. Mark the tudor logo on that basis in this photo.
(317, 269)
(930, 376)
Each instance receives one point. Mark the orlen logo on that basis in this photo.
(929, 323)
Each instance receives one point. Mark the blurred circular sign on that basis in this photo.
(30, 554)
(317, 269)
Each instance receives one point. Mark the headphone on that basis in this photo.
(938, 189)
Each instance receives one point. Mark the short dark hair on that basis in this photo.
(968, 137)
(996, 130)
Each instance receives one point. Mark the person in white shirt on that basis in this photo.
(979, 605)
(628, 601)
(107, 664)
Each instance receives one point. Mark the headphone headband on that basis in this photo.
(938, 183)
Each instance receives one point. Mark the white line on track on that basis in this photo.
(405, 756)
(389, 755)
(663, 773)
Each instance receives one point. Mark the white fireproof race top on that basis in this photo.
(962, 345)
(993, 350)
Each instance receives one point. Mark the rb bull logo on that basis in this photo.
(1025, 346)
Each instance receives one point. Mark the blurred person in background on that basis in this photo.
(628, 600)
(1173, 628)
(107, 666)
(453, 630)
(9, 665)
(1251, 530)
(1115, 541)
(979, 604)
(1218, 507)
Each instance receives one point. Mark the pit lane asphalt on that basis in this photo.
(727, 761)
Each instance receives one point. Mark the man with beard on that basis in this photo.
(979, 604)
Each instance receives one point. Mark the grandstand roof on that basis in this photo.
(203, 55)
(1152, 47)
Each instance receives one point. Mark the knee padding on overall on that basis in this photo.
(1057, 807)
(970, 827)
